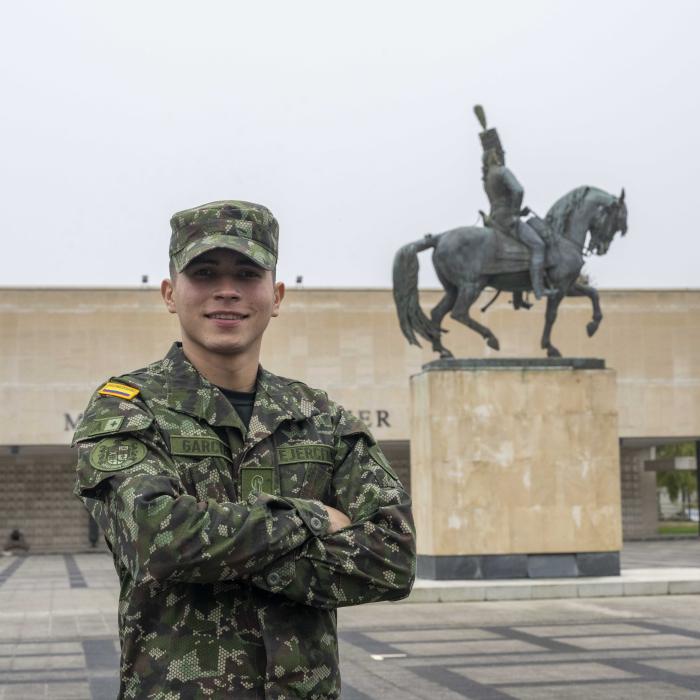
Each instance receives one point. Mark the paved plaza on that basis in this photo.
(58, 639)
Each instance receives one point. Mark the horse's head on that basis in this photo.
(609, 218)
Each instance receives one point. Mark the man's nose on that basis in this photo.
(228, 289)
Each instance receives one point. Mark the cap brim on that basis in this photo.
(252, 250)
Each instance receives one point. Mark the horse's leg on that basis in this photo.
(550, 317)
(467, 295)
(436, 316)
(582, 290)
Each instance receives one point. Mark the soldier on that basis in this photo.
(505, 195)
(241, 508)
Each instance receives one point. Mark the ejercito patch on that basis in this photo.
(116, 453)
(307, 452)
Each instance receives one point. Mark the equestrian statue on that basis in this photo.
(515, 251)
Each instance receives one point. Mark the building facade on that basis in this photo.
(58, 345)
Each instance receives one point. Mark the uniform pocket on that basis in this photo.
(207, 478)
(305, 469)
(305, 480)
(317, 481)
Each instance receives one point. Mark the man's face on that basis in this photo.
(224, 302)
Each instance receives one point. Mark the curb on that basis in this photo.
(631, 582)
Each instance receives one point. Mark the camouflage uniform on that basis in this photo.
(229, 578)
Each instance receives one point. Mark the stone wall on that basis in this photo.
(36, 497)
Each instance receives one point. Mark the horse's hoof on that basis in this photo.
(553, 352)
(493, 343)
(591, 328)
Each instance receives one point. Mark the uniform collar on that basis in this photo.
(189, 392)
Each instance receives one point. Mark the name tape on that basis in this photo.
(311, 452)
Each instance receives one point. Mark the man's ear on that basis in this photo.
(166, 291)
(279, 295)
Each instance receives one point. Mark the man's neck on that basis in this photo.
(235, 372)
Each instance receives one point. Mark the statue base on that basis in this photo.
(515, 468)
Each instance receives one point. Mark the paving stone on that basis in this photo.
(462, 594)
(600, 590)
(564, 631)
(632, 641)
(530, 649)
(646, 587)
(559, 590)
(72, 691)
(683, 587)
(537, 672)
(522, 592)
(25, 691)
(414, 635)
(449, 648)
(688, 667)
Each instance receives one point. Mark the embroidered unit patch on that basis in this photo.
(121, 391)
(310, 452)
(255, 480)
(116, 453)
(101, 426)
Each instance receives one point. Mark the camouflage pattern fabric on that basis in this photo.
(245, 227)
(229, 577)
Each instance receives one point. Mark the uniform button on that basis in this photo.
(273, 579)
(315, 523)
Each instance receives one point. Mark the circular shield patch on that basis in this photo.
(115, 453)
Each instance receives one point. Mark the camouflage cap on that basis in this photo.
(247, 228)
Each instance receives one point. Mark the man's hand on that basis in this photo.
(338, 519)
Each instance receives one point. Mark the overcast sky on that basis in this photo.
(352, 121)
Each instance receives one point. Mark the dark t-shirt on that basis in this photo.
(242, 401)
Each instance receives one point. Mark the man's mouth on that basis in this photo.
(226, 316)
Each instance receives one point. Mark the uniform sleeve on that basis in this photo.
(127, 480)
(372, 559)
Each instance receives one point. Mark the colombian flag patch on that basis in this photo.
(121, 391)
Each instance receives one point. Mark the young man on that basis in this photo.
(241, 508)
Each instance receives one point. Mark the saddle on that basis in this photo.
(512, 255)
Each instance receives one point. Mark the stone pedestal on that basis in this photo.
(515, 468)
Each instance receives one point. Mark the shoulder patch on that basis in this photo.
(113, 454)
(121, 391)
(102, 426)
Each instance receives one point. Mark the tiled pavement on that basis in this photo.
(58, 639)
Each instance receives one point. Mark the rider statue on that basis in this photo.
(505, 196)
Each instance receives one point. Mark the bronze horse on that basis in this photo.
(470, 258)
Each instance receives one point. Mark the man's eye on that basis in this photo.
(203, 272)
(250, 273)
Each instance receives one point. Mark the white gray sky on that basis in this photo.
(352, 121)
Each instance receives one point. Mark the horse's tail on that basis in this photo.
(411, 316)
